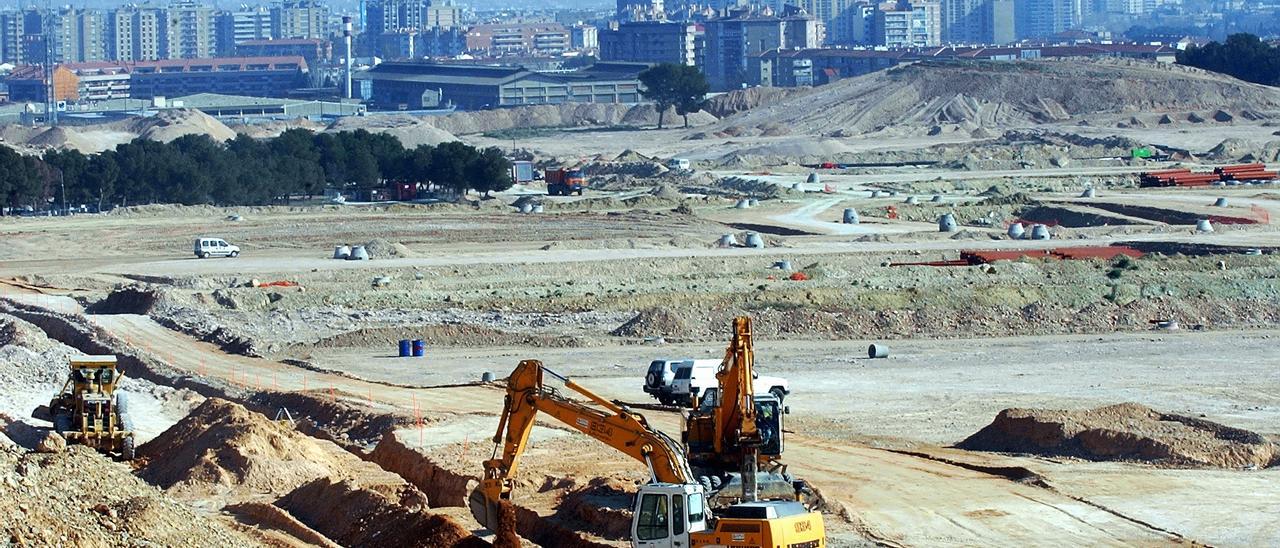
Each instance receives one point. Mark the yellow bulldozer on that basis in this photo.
(89, 410)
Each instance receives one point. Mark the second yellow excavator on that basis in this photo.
(670, 511)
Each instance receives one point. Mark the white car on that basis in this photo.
(662, 373)
(215, 247)
(694, 379)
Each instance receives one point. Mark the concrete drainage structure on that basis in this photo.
(727, 240)
(911, 200)
(947, 223)
(342, 252)
(877, 350)
(1017, 231)
(1220, 202)
(754, 240)
(850, 216)
(814, 179)
(743, 204)
(1203, 225)
(1040, 232)
(1088, 193)
(358, 253)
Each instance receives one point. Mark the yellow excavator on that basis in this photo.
(670, 511)
(734, 435)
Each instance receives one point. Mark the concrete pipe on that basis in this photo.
(1088, 193)
(752, 202)
(537, 208)
(911, 200)
(1017, 231)
(1220, 202)
(1203, 225)
(937, 199)
(877, 350)
(947, 223)
(850, 216)
(487, 376)
(358, 253)
(875, 193)
(727, 240)
(796, 186)
(782, 265)
(743, 204)
(754, 240)
(814, 179)
(526, 208)
(1039, 232)
(342, 252)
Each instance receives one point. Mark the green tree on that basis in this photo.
(449, 166)
(1243, 56)
(490, 171)
(671, 85)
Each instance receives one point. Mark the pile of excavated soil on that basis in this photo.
(222, 447)
(80, 498)
(654, 322)
(602, 506)
(412, 132)
(914, 99)
(1124, 432)
(379, 248)
(557, 116)
(453, 335)
(168, 125)
(739, 100)
(353, 514)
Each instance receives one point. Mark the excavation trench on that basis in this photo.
(347, 425)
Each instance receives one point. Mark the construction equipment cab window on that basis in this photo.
(653, 518)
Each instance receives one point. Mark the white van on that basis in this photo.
(682, 164)
(695, 379)
(215, 247)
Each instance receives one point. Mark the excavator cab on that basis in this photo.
(665, 514)
(769, 412)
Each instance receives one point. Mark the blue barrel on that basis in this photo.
(404, 348)
(419, 348)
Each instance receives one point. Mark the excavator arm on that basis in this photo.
(609, 423)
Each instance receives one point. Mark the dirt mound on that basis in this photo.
(412, 132)
(913, 98)
(746, 99)
(379, 248)
(79, 498)
(603, 506)
(221, 446)
(168, 125)
(61, 137)
(355, 515)
(1124, 432)
(131, 299)
(454, 335)
(666, 192)
(654, 322)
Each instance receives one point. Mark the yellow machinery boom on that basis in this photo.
(671, 510)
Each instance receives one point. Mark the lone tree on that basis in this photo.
(1243, 56)
(671, 85)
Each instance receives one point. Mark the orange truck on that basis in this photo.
(563, 182)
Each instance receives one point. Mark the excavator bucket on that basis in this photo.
(485, 511)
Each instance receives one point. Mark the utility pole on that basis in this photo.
(51, 97)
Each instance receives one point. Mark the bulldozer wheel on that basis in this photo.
(127, 450)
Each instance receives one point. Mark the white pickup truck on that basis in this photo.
(676, 382)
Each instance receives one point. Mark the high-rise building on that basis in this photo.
(136, 34)
(641, 10)
(11, 34)
(389, 16)
(300, 19)
(241, 25)
(1040, 19)
(442, 15)
(977, 21)
(584, 37)
(909, 24)
(91, 35)
(730, 41)
(191, 30)
(650, 42)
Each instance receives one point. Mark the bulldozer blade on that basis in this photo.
(42, 413)
(484, 510)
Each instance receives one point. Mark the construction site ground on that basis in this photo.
(599, 285)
